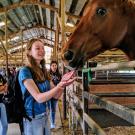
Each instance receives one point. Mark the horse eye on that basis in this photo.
(101, 11)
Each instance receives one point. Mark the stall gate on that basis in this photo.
(80, 101)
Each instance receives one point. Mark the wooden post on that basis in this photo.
(57, 38)
(85, 101)
(117, 109)
(62, 15)
(56, 43)
(6, 44)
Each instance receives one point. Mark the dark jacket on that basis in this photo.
(2, 82)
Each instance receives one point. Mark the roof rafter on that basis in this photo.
(36, 26)
(26, 2)
(34, 2)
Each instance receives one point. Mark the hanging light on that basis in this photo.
(70, 23)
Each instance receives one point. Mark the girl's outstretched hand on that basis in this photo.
(67, 79)
(68, 76)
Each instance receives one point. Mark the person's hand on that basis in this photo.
(1, 89)
(5, 88)
(68, 76)
(67, 79)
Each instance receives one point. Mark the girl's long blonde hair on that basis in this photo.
(40, 73)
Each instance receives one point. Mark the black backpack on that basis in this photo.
(15, 109)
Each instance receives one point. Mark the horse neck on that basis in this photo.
(128, 44)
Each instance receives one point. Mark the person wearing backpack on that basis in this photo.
(55, 77)
(35, 80)
(3, 115)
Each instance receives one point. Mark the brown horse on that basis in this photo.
(106, 24)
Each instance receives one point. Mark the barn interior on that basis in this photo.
(53, 21)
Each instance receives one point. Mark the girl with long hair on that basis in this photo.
(35, 81)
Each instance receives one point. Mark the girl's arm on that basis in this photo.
(55, 92)
(59, 93)
(3, 88)
(40, 97)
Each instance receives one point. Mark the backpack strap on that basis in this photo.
(33, 112)
(27, 94)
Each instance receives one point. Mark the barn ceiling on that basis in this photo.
(35, 17)
(21, 20)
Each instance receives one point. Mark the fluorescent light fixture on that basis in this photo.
(16, 48)
(15, 38)
(2, 24)
(70, 23)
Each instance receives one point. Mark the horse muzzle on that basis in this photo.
(73, 61)
(68, 55)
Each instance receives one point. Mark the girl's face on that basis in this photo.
(37, 51)
(54, 67)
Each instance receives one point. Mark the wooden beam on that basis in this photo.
(77, 115)
(6, 45)
(34, 2)
(93, 125)
(3, 46)
(76, 100)
(55, 49)
(85, 101)
(114, 66)
(44, 45)
(59, 20)
(19, 44)
(63, 21)
(21, 34)
(27, 2)
(119, 110)
(36, 26)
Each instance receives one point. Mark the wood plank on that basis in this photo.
(93, 125)
(119, 110)
(110, 88)
(116, 88)
(125, 101)
(77, 115)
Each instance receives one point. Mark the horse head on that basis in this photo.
(102, 27)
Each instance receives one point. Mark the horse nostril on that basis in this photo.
(68, 55)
